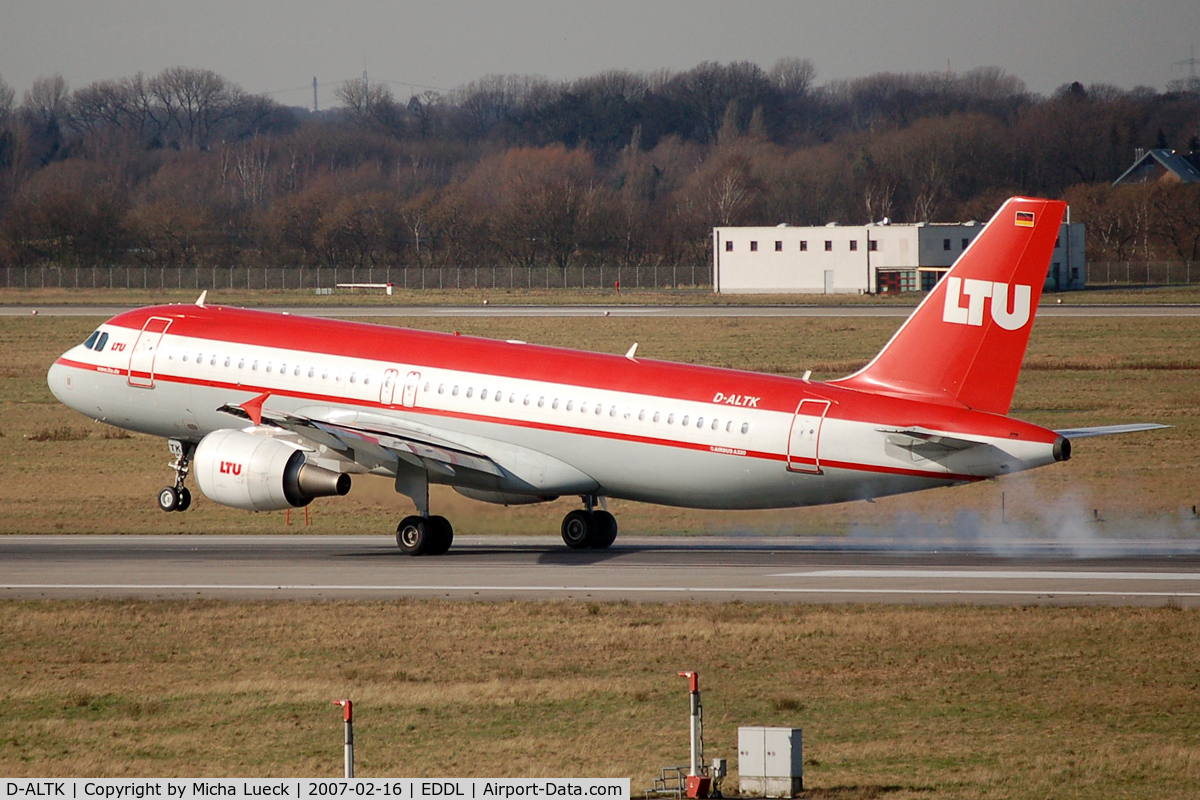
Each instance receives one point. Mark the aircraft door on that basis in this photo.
(387, 391)
(805, 436)
(141, 358)
(411, 381)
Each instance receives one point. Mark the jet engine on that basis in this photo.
(258, 473)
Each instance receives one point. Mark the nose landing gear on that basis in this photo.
(589, 527)
(177, 497)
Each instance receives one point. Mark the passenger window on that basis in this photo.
(612, 411)
(656, 416)
(599, 409)
(312, 372)
(570, 405)
(554, 405)
(716, 425)
(454, 392)
(441, 388)
(745, 427)
(470, 392)
(241, 363)
(254, 366)
(353, 375)
(684, 421)
(670, 419)
(541, 402)
(699, 422)
(483, 394)
(526, 401)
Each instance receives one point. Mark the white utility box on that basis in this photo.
(770, 761)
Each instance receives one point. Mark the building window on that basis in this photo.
(1057, 242)
(728, 246)
(778, 247)
(754, 247)
(945, 244)
(872, 245)
(803, 246)
(828, 246)
(853, 245)
(965, 242)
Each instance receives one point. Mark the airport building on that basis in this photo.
(863, 259)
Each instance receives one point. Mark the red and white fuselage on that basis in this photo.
(512, 422)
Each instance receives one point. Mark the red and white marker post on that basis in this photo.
(697, 784)
(348, 708)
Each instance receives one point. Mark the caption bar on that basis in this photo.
(408, 788)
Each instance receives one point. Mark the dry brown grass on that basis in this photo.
(907, 702)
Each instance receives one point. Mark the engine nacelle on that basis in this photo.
(258, 473)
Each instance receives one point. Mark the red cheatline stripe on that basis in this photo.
(761, 455)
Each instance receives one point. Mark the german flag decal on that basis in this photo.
(1024, 219)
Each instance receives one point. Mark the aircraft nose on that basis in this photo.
(59, 381)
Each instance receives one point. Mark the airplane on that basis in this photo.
(272, 410)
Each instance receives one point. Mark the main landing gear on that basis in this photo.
(424, 536)
(589, 527)
(177, 497)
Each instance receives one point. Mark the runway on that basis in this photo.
(639, 569)
(347, 312)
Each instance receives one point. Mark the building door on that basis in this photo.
(805, 437)
(141, 358)
(828, 281)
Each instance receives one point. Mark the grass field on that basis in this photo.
(954, 702)
(894, 702)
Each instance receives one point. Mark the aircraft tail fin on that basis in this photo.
(965, 342)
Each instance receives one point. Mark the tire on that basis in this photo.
(443, 536)
(606, 529)
(185, 500)
(578, 529)
(413, 536)
(168, 498)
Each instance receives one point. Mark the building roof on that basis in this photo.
(1156, 165)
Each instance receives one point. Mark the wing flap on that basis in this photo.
(1109, 430)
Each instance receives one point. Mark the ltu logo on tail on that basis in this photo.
(977, 292)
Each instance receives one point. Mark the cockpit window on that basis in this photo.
(101, 342)
(91, 340)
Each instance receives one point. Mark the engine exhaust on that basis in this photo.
(304, 482)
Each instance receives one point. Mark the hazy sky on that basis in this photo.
(278, 47)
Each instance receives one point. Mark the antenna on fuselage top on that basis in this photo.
(201, 298)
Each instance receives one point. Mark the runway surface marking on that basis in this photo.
(582, 589)
(991, 574)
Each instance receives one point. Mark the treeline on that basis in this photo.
(186, 169)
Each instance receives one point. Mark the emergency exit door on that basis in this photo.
(804, 441)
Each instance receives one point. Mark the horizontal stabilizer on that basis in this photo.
(907, 437)
(1109, 430)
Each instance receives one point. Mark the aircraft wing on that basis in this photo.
(1109, 430)
(372, 440)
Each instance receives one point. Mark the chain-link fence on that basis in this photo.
(1143, 273)
(279, 278)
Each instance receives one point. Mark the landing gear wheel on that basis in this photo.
(578, 529)
(413, 536)
(185, 500)
(168, 498)
(443, 536)
(605, 532)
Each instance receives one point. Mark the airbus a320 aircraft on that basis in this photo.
(271, 411)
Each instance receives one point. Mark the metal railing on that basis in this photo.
(284, 278)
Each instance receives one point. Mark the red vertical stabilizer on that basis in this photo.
(965, 342)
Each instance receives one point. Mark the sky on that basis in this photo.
(279, 46)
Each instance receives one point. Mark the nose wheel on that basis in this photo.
(589, 527)
(177, 497)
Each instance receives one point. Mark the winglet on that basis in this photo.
(203, 296)
(254, 407)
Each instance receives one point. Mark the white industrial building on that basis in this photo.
(863, 259)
